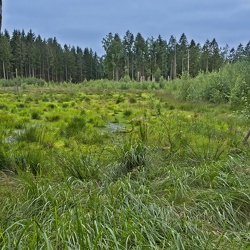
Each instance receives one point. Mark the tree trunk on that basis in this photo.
(0, 16)
(116, 74)
(4, 75)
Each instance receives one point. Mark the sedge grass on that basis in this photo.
(173, 180)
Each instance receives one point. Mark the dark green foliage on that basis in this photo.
(38, 60)
(119, 99)
(36, 115)
(3, 159)
(127, 112)
(51, 105)
(132, 100)
(3, 106)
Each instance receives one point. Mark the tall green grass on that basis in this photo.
(175, 175)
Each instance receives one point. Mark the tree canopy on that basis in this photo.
(133, 56)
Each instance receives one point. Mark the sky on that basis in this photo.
(85, 23)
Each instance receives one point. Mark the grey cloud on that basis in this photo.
(85, 23)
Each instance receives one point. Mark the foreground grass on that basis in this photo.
(169, 176)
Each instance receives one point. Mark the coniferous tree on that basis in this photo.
(114, 59)
(86, 64)
(194, 54)
(172, 57)
(247, 51)
(215, 58)
(69, 63)
(182, 55)
(232, 56)
(205, 56)
(140, 55)
(128, 43)
(58, 62)
(107, 61)
(26, 55)
(72, 64)
(161, 56)
(239, 54)
(117, 57)
(152, 55)
(79, 65)
(98, 74)
(15, 43)
(49, 60)
(30, 60)
(54, 57)
(40, 47)
(5, 56)
(225, 53)
(89, 67)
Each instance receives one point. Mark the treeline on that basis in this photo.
(131, 57)
(25, 55)
(143, 59)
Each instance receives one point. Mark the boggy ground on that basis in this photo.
(91, 168)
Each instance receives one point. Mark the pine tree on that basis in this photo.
(152, 65)
(79, 64)
(205, 56)
(239, 52)
(232, 56)
(30, 61)
(69, 63)
(5, 55)
(97, 67)
(194, 53)
(140, 55)
(161, 56)
(128, 43)
(247, 51)
(107, 59)
(16, 48)
(114, 59)
(225, 53)
(182, 54)
(172, 57)
(215, 59)
(40, 48)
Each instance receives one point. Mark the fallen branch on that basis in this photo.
(246, 136)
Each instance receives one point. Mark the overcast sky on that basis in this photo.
(85, 23)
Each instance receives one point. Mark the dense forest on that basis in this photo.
(133, 57)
